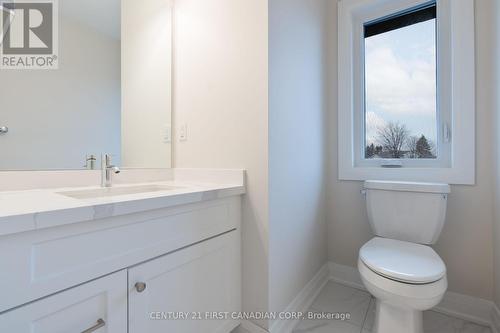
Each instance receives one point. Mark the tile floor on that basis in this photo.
(336, 298)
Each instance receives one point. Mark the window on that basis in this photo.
(400, 86)
(406, 90)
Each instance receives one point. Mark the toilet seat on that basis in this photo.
(402, 261)
(410, 296)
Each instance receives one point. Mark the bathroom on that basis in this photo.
(203, 166)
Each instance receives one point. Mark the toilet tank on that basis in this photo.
(407, 211)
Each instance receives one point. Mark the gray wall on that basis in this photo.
(221, 85)
(466, 242)
(221, 93)
(56, 117)
(297, 145)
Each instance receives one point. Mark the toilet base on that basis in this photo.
(397, 319)
(400, 305)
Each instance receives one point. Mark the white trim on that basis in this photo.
(466, 307)
(303, 301)
(473, 309)
(469, 308)
(248, 327)
(386, 9)
(462, 44)
(5, 25)
(495, 319)
(345, 275)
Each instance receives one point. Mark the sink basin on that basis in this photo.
(116, 191)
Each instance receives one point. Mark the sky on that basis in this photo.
(401, 80)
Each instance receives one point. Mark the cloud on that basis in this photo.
(399, 85)
(373, 123)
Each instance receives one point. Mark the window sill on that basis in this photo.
(454, 176)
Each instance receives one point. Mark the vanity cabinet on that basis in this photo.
(181, 292)
(99, 306)
(127, 273)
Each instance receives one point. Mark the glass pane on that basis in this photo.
(400, 78)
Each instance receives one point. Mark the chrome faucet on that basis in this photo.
(90, 162)
(107, 171)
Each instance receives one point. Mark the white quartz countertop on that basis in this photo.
(28, 210)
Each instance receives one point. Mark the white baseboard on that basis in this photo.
(346, 275)
(303, 301)
(477, 310)
(495, 319)
(465, 307)
(248, 327)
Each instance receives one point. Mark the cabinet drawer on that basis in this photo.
(99, 306)
(40, 263)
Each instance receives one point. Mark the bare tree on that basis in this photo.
(411, 145)
(393, 138)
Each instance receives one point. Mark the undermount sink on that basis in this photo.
(116, 191)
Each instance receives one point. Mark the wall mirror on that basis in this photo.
(110, 92)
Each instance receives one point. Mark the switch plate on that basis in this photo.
(167, 134)
(183, 132)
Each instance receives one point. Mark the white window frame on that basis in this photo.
(455, 90)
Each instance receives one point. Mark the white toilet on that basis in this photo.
(398, 267)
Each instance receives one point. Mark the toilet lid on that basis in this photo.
(403, 261)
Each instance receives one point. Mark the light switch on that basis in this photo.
(167, 133)
(183, 132)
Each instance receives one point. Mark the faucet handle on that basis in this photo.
(106, 159)
(106, 163)
(90, 162)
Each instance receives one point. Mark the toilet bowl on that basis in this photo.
(403, 273)
(405, 279)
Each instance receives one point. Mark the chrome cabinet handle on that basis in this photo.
(100, 323)
(140, 287)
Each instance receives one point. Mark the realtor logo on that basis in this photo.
(29, 31)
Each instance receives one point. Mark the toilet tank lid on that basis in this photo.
(407, 186)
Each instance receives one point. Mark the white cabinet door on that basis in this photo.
(99, 306)
(195, 282)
